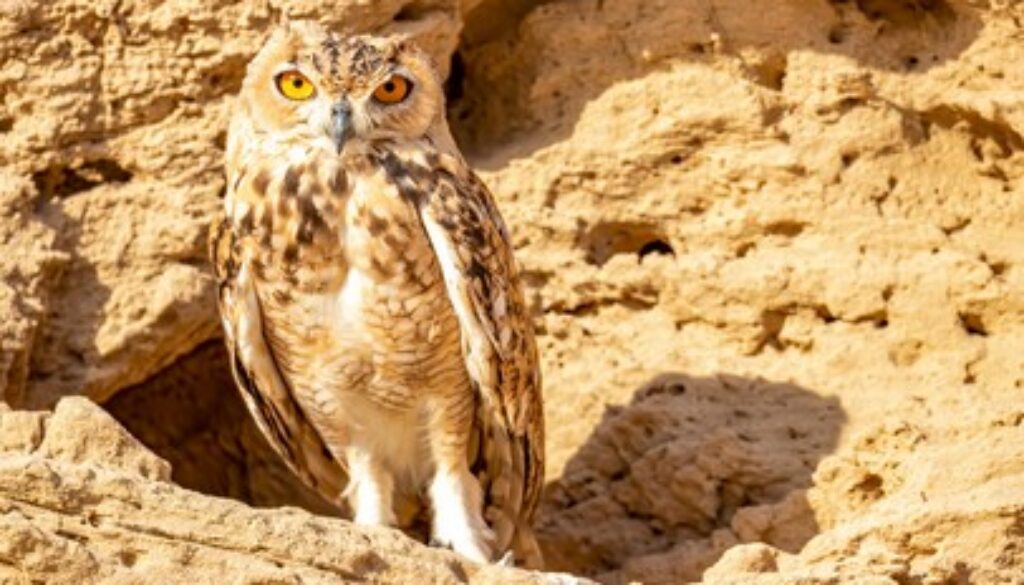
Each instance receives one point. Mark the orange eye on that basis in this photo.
(295, 86)
(392, 91)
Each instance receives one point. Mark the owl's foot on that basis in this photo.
(509, 560)
(458, 521)
(370, 490)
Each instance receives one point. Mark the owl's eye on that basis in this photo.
(393, 91)
(295, 86)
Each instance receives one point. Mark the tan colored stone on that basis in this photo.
(96, 515)
(822, 194)
(748, 558)
(20, 431)
(81, 432)
(774, 252)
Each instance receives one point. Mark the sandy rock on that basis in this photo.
(80, 432)
(774, 256)
(826, 195)
(20, 430)
(749, 558)
(95, 516)
(787, 524)
(24, 273)
(682, 471)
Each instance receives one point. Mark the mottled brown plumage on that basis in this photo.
(370, 298)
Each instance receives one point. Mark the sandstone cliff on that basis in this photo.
(774, 252)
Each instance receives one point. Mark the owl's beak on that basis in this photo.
(341, 124)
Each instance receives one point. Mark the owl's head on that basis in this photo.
(312, 87)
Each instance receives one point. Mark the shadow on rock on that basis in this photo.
(75, 314)
(191, 415)
(691, 467)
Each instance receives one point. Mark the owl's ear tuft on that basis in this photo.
(405, 43)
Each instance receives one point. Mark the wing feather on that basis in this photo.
(255, 368)
(473, 248)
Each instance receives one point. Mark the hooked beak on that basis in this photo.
(341, 124)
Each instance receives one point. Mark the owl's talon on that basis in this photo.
(458, 523)
(507, 560)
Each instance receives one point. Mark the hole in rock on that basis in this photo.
(997, 268)
(771, 73)
(604, 240)
(825, 314)
(972, 324)
(871, 485)
(127, 557)
(743, 249)
(656, 247)
(906, 12)
(192, 415)
(772, 322)
(789, 228)
(837, 34)
(64, 181)
(221, 140)
(1003, 135)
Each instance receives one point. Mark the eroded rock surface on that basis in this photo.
(821, 200)
(82, 502)
(774, 254)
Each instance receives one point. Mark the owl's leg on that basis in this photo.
(455, 494)
(370, 489)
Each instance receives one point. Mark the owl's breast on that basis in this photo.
(383, 234)
(352, 291)
(394, 293)
(292, 214)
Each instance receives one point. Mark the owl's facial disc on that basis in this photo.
(311, 88)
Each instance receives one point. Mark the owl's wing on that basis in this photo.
(254, 366)
(473, 248)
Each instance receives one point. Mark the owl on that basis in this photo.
(370, 300)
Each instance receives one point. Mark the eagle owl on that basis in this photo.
(370, 299)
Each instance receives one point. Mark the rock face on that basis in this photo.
(775, 256)
(82, 502)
